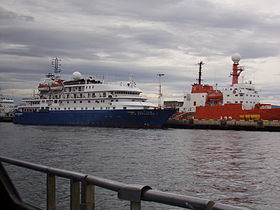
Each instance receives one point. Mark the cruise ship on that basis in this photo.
(89, 101)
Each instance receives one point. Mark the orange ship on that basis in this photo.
(239, 101)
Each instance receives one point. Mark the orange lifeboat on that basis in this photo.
(43, 87)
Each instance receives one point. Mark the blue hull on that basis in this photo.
(102, 118)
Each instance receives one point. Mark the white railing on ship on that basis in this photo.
(82, 190)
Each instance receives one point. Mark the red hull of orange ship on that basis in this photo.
(235, 111)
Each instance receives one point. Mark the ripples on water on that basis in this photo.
(233, 167)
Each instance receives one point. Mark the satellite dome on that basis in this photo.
(236, 57)
(77, 75)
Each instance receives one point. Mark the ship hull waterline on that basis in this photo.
(99, 118)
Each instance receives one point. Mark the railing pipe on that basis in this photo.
(105, 183)
(175, 199)
(133, 193)
(101, 182)
(183, 201)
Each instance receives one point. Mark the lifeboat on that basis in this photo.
(43, 87)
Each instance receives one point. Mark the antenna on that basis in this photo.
(131, 80)
(199, 72)
(131, 77)
(56, 65)
(159, 90)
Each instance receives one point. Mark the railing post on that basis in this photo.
(51, 195)
(75, 199)
(135, 205)
(88, 202)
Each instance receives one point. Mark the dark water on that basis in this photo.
(233, 167)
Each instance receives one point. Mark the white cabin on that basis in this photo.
(243, 93)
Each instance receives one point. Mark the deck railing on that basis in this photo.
(82, 190)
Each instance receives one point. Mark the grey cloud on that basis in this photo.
(130, 32)
(199, 12)
(6, 15)
(258, 50)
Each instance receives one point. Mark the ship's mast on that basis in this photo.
(199, 72)
(56, 64)
(236, 71)
(159, 90)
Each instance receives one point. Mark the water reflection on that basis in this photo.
(222, 164)
(240, 168)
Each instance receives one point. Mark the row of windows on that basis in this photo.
(89, 95)
(74, 108)
(247, 102)
(96, 101)
(241, 94)
(85, 108)
(91, 87)
(88, 101)
(81, 95)
(240, 89)
(29, 110)
(74, 89)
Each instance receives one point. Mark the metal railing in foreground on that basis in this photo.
(82, 190)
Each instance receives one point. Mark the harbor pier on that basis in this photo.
(251, 125)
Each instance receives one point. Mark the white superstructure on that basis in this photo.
(6, 106)
(237, 93)
(85, 94)
(244, 92)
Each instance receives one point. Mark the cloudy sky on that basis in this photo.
(119, 38)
